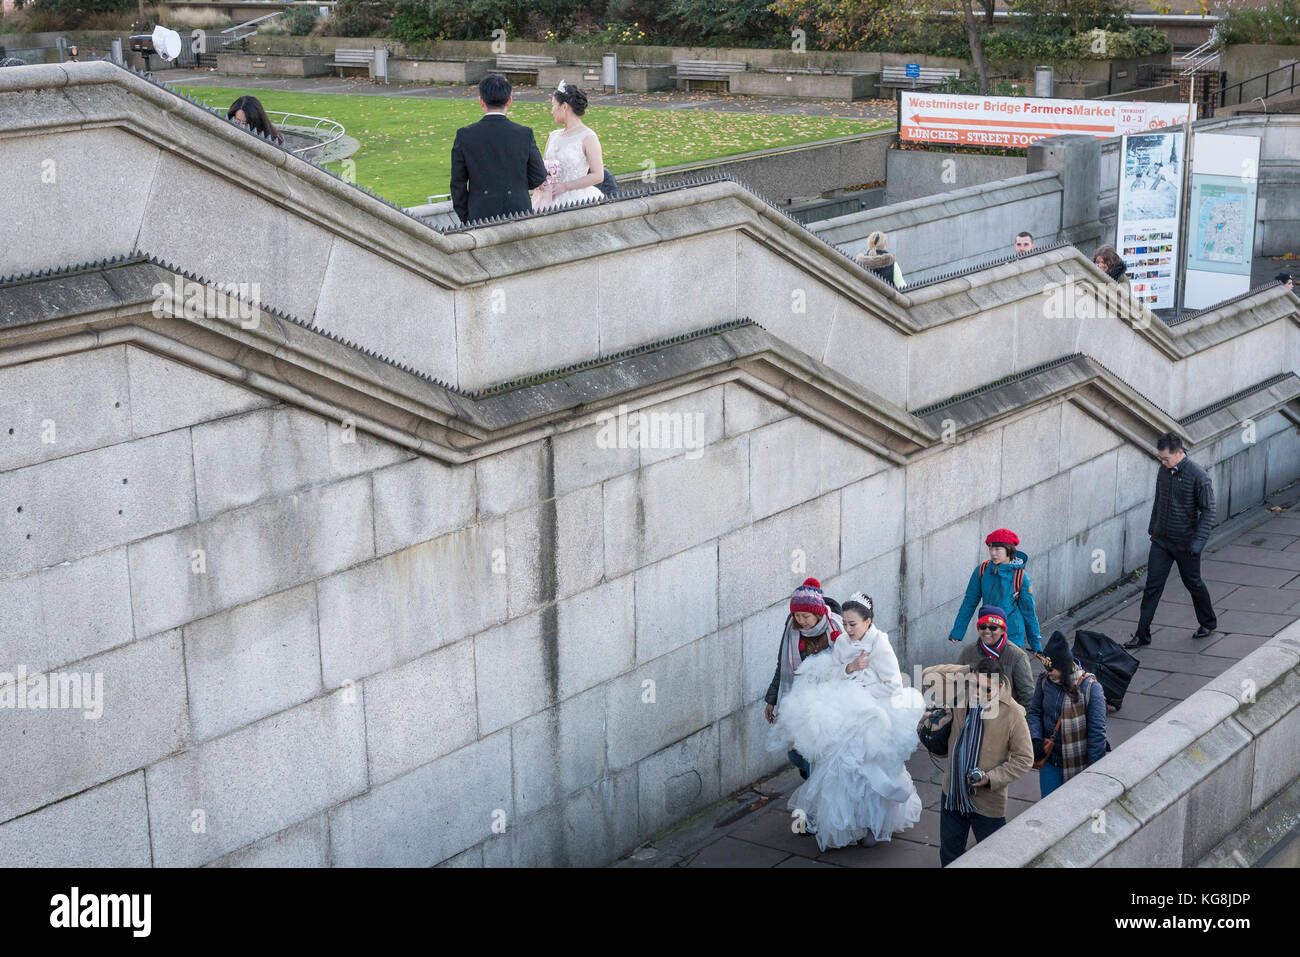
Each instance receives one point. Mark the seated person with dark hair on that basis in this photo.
(248, 111)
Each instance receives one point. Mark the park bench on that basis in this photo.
(930, 76)
(353, 58)
(708, 71)
(523, 63)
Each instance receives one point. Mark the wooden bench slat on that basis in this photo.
(523, 61)
(350, 57)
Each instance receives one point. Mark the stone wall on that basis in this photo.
(913, 174)
(795, 173)
(254, 64)
(817, 86)
(340, 653)
(1243, 61)
(981, 221)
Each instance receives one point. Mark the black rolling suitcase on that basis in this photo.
(1113, 666)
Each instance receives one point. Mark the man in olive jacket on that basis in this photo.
(997, 746)
(1181, 518)
(993, 643)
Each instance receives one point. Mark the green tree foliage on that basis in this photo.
(77, 8)
(359, 18)
(1069, 16)
(1278, 22)
(725, 23)
(299, 21)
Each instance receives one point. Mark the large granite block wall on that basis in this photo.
(327, 652)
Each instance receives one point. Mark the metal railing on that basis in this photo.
(335, 130)
(1203, 55)
(1290, 81)
(241, 30)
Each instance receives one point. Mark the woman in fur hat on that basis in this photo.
(881, 261)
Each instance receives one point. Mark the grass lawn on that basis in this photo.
(405, 152)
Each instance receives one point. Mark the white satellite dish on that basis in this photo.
(166, 42)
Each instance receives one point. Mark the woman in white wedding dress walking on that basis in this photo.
(849, 714)
(574, 163)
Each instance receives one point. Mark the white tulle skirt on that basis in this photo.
(857, 743)
(570, 198)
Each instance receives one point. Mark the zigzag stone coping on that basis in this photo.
(577, 285)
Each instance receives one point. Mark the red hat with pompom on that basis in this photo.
(1003, 536)
(808, 597)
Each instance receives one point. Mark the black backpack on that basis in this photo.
(1113, 667)
(608, 185)
(935, 739)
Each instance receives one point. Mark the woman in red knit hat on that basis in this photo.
(849, 713)
(810, 627)
(1002, 581)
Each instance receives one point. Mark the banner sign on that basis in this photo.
(1150, 198)
(1221, 218)
(1020, 121)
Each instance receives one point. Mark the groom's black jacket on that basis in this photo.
(494, 163)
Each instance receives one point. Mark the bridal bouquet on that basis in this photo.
(545, 194)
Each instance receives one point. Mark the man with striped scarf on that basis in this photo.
(988, 748)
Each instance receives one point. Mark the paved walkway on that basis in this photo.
(1252, 568)
(665, 100)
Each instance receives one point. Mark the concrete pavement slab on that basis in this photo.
(803, 862)
(1235, 647)
(730, 852)
(1272, 601)
(1181, 661)
(1253, 623)
(1140, 707)
(1143, 679)
(895, 853)
(1177, 686)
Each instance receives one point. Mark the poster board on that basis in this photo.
(1150, 201)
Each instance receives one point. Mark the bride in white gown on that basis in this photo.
(574, 163)
(850, 716)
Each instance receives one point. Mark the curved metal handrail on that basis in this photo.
(336, 129)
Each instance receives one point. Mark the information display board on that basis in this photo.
(1150, 199)
(1221, 218)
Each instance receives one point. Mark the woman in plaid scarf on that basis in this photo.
(1069, 707)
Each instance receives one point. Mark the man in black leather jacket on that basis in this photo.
(1181, 518)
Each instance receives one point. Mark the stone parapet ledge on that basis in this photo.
(912, 212)
(324, 250)
(1172, 792)
(78, 96)
(288, 359)
(82, 95)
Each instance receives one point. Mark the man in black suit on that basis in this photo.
(494, 162)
